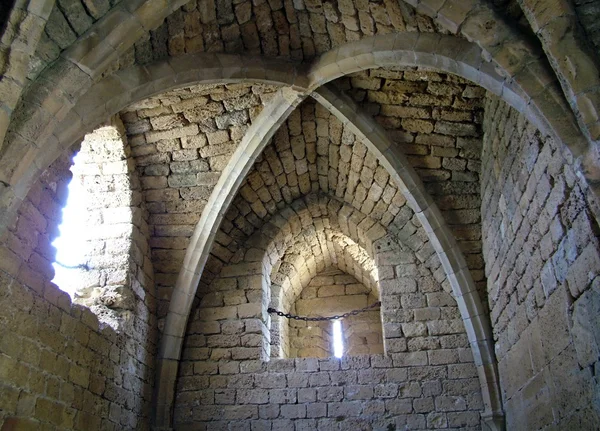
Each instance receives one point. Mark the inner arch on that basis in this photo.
(324, 273)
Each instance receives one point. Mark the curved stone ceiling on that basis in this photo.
(301, 262)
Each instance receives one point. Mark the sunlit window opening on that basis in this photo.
(70, 244)
(338, 344)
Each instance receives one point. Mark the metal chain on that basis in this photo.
(320, 318)
(83, 266)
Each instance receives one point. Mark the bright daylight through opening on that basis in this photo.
(70, 241)
(338, 344)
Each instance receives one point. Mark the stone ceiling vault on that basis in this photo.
(410, 184)
(119, 90)
(102, 69)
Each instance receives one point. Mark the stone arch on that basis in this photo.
(22, 162)
(294, 289)
(298, 266)
(465, 293)
(442, 12)
(357, 261)
(308, 217)
(158, 77)
(462, 59)
(531, 90)
(29, 22)
(245, 279)
(571, 60)
(340, 248)
(258, 134)
(512, 50)
(85, 59)
(315, 206)
(116, 91)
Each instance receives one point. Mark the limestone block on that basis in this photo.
(191, 129)
(585, 338)
(58, 29)
(583, 270)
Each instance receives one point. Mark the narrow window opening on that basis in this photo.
(331, 292)
(94, 261)
(338, 343)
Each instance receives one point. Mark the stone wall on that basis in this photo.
(114, 254)
(288, 29)
(59, 366)
(542, 264)
(21, 27)
(180, 143)
(427, 380)
(362, 392)
(330, 293)
(436, 119)
(587, 14)
(68, 20)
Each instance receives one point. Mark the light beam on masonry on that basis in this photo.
(338, 344)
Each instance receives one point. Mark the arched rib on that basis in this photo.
(252, 145)
(454, 264)
(22, 163)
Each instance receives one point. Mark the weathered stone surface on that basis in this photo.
(76, 15)
(538, 239)
(531, 263)
(58, 29)
(70, 333)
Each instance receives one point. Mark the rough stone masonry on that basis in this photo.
(468, 175)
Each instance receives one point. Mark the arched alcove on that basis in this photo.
(228, 339)
(333, 292)
(299, 286)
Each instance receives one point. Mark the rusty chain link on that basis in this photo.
(320, 318)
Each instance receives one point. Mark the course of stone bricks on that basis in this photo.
(541, 247)
(225, 367)
(317, 222)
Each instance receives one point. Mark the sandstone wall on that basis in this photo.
(114, 257)
(436, 119)
(542, 265)
(288, 29)
(332, 292)
(60, 367)
(362, 392)
(66, 21)
(180, 142)
(427, 380)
